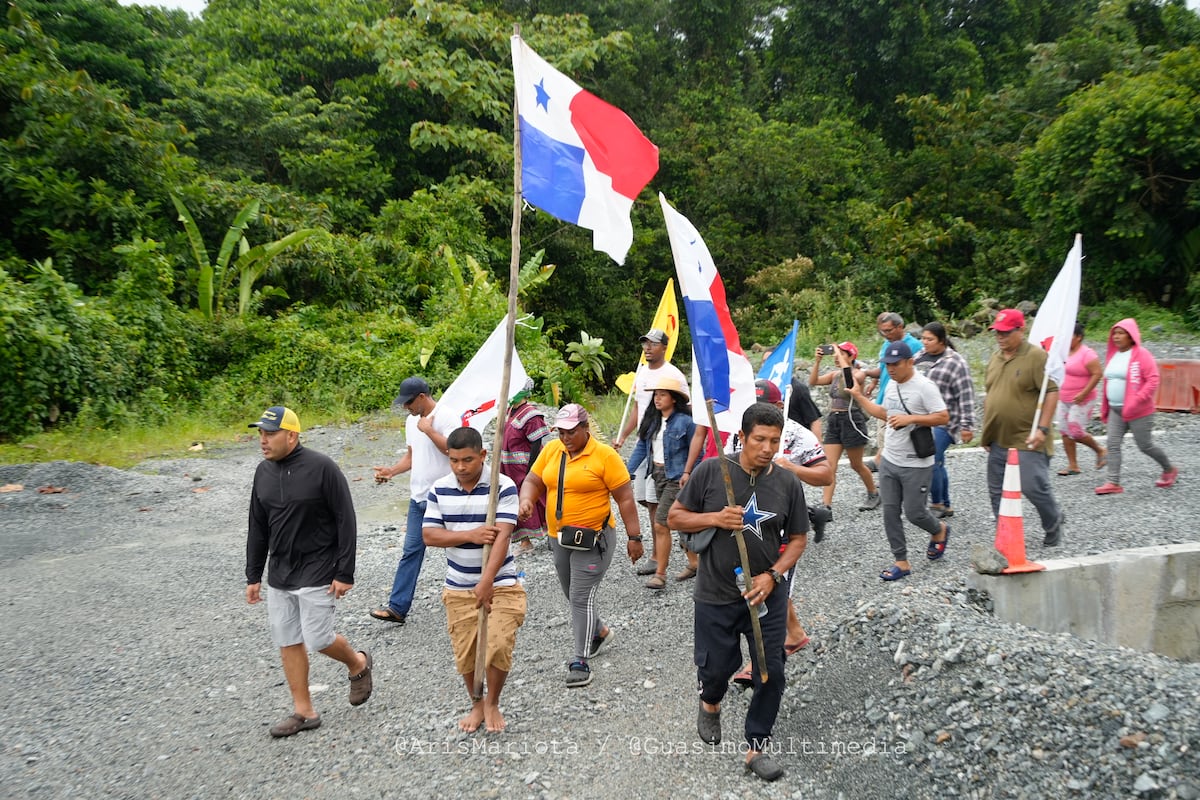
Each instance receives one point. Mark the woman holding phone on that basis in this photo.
(845, 426)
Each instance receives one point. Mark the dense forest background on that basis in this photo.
(303, 201)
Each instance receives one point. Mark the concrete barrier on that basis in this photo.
(1147, 599)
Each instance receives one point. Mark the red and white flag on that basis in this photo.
(1055, 321)
(472, 397)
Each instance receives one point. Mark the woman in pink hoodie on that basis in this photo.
(1130, 383)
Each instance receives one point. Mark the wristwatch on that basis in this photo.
(1044, 429)
(777, 576)
(635, 538)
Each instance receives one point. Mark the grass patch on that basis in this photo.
(132, 444)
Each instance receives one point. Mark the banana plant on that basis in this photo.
(252, 262)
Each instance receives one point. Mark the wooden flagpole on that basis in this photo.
(510, 325)
(759, 648)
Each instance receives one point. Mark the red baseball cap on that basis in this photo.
(849, 348)
(1009, 319)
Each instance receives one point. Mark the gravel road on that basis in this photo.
(134, 668)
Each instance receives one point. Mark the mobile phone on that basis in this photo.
(826, 349)
(847, 377)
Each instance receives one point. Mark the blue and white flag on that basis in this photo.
(777, 367)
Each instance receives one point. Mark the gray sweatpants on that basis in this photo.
(1035, 483)
(579, 575)
(1143, 430)
(907, 487)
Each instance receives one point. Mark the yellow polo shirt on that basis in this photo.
(591, 478)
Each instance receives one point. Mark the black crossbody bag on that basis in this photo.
(573, 537)
(921, 436)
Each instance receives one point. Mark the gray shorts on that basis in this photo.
(643, 486)
(301, 615)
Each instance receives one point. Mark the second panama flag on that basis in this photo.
(582, 160)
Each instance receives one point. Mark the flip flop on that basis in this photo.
(894, 573)
(386, 614)
(1066, 472)
(792, 649)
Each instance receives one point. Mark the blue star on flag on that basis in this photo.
(543, 97)
(753, 517)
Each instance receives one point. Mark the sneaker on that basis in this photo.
(872, 502)
(579, 674)
(1168, 478)
(820, 516)
(1110, 488)
(649, 568)
(599, 640)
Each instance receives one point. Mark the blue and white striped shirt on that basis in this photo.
(454, 509)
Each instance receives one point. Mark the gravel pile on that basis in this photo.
(133, 667)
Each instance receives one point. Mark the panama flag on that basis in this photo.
(1054, 324)
(582, 160)
(720, 370)
(777, 367)
(472, 396)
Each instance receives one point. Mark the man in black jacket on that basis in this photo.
(302, 521)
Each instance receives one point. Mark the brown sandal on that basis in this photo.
(294, 724)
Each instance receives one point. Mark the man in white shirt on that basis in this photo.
(425, 457)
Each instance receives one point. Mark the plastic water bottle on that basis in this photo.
(740, 580)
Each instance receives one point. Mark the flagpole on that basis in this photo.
(510, 335)
(731, 500)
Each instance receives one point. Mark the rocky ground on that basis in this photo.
(134, 668)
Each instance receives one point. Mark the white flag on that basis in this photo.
(1054, 324)
(472, 397)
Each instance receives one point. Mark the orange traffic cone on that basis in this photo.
(1010, 525)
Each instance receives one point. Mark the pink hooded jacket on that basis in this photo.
(1141, 381)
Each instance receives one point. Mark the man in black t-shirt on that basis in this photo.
(773, 518)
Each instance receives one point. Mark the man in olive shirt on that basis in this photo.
(1014, 382)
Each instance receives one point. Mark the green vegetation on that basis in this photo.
(347, 166)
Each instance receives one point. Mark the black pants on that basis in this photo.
(718, 655)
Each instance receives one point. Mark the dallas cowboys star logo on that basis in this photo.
(753, 517)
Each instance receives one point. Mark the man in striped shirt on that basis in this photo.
(456, 519)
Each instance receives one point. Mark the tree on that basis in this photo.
(1122, 167)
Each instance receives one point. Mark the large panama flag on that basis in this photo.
(720, 370)
(582, 160)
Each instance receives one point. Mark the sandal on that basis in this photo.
(294, 724)
(936, 550)
(688, 573)
(792, 649)
(362, 684)
(894, 573)
(656, 582)
(745, 677)
(1065, 472)
(386, 614)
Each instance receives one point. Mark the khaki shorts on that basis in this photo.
(462, 621)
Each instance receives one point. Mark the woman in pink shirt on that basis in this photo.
(1077, 399)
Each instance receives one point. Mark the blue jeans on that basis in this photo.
(939, 485)
(404, 586)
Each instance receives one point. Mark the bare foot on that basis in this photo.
(495, 720)
(470, 723)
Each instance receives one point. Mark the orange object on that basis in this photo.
(1010, 524)
(1178, 386)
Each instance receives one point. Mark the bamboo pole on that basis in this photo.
(514, 268)
(759, 648)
